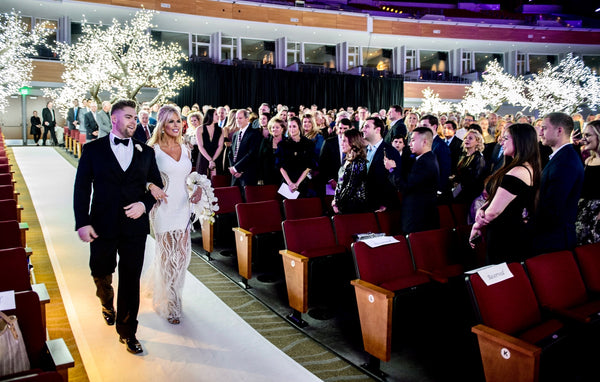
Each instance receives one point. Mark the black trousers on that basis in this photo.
(103, 262)
(52, 134)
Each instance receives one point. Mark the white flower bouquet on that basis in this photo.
(205, 209)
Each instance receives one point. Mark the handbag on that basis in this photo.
(13, 357)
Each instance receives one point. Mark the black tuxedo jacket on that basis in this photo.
(90, 124)
(380, 191)
(329, 159)
(560, 188)
(113, 188)
(140, 134)
(48, 117)
(398, 128)
(71, 117)
(455, 153)
(419, 194)
(247, 157)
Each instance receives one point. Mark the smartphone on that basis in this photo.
(476, 239)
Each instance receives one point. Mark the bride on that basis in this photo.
(170, 216)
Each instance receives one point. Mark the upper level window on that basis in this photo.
(483, 59)
(228, 48)
(521, 64)
(466, 62)
(377, 58)
(538, 62)
(201, 45)
(52, 26)
(183, 39)
(319, 54)
(353, 54)
(592, 62)
(293, 52)
(258, 50)
(436, 61)
(411, 60)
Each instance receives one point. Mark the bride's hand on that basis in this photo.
(196, 196)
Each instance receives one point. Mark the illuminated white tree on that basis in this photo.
(432, 103)
(496, 88)
(17, 43)
(565, 87)
(120, 59)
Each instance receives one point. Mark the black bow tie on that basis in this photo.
(125, 142)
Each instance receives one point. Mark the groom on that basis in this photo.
(118, 168)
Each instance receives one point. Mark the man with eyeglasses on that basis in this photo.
(466, 123)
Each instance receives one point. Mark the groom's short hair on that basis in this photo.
(122, 104)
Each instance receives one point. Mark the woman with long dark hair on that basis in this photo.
(512, 190)
(350, 193)
(210, 144)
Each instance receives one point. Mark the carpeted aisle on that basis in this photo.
(211, 344)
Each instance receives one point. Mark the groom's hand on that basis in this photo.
(87, 233)
(135, 210)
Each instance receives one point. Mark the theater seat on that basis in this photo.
(261, 193)
(259, 231)
(559, 287)
(433, 252)
(228, 198)
(302, 208)
(382, 272)
(347, 226)
(588, 257)
(512, 334)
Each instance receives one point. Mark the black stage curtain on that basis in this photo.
(240, 87)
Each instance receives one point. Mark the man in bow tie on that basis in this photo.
(118, 169)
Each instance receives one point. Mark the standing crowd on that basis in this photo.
(530, 186)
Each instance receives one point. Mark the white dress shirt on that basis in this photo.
(124, 154)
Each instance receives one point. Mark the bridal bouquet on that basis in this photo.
(205, 209)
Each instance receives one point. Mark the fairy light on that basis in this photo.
(121, 60)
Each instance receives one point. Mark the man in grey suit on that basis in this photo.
(103, 120)
(90, 122)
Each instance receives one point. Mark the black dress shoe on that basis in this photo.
(133, 345)
(109, 316)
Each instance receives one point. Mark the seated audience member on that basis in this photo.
(587, 224)
(470, 172)
(268, 171)
(295, 158)
(381, 193)
(560, 189)
(419, 188)
(512, 190)
(351, 190)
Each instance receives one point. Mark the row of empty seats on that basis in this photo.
(74, 141)
(551, 300)
(49, 359)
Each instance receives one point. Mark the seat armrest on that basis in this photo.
(372, 288)
(61, 356)
(42, 292)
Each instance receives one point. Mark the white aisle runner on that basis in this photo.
(211, 344)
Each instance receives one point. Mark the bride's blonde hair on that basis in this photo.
(164, 114)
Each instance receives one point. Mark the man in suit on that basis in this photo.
(222, 116)
(91, 122)
(331, 157)
(144, 129)
(381, 193)
(118, 169)
(397, 127)
(560, 187)
(73, 114)
(49, 122)
(243, 156)
(362, 113)
(103, 120)
(419, 188)
(496, 158)
(454, 143)
(442, 153)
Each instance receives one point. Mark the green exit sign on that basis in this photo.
(24, 90)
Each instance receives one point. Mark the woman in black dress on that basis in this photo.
(36, 127)
(470, 171)
(512, 193)
(350, 193)
(587, 224)
(269, 173)
(295, 157)
(210, 144)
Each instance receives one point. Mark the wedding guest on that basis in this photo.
(36, 127)
(470, 171)
(189, 137)
(351, 190)
(588, 217)
(268, 171)
(210, 146)
(295, 157)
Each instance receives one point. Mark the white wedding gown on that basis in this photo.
(171, 224)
